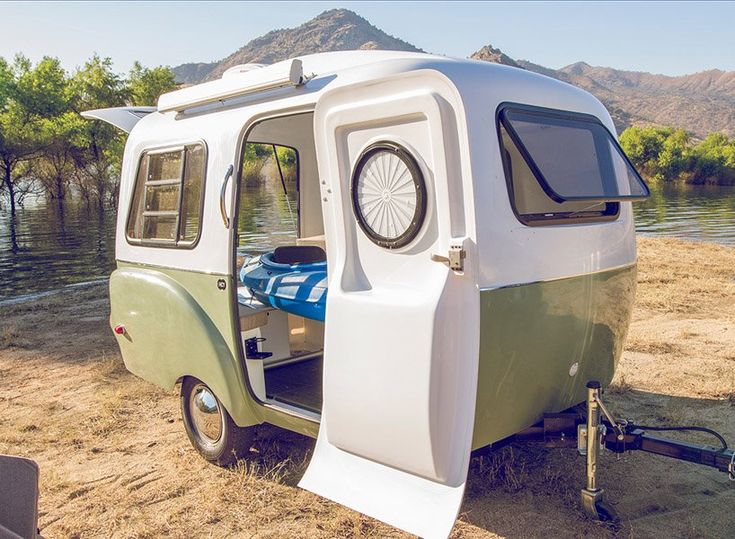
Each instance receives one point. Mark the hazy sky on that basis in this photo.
(665, 37)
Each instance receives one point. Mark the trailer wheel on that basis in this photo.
(209, 426)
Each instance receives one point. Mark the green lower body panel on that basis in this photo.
(541, 342)
(179, 323)
(182, 323)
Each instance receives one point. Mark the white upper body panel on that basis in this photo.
(509, 252)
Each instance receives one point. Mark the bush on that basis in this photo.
(666, 154)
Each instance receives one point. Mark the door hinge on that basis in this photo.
(456, 257)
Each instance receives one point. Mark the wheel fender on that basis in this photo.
(168, 335)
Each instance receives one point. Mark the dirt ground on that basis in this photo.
(115, 461)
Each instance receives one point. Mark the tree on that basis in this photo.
(6, 83)
(643, 144)
(45, 142)
(27, 94)
(662, 153)
(64, 143)
(713, 158)
(145, 85)
(673, 159)
(98, 162)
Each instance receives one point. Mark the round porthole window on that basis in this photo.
(388, 195)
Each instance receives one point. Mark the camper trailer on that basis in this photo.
(407, 257)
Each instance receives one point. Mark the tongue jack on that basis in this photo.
(591, 439)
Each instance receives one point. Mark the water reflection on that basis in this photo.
(267, 216)
(696, 212)
(48, 246)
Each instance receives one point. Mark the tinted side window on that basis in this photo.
(532, 204)
(167, 202)
(573, 156)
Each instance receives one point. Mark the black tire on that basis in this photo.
(233, 442)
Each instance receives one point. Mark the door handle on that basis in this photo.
(455, 257)
(222, 203)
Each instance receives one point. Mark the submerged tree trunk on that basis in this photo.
(8, 180)
(60, 187)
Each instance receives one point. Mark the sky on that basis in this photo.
(672, 38)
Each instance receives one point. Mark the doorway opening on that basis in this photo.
(281, 264)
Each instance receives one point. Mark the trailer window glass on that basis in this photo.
(573, 156)
(167, 202)
(192, 197)
(532, 205)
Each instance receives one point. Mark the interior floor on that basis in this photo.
(298, 384)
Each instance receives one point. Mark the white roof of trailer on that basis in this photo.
(313, 74)
(254, 78)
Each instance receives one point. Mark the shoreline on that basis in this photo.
(115, 459)
(24, 298)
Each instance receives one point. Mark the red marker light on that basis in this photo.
(119, 330)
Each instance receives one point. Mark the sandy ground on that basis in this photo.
(116, 462)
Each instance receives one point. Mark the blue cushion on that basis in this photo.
(299, 289)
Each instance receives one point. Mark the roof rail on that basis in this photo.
(280, 75)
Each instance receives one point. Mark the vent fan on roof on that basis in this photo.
(241, 68)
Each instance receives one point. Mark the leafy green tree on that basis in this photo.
(95, 85)
(713, 158)
(660, 153)
(65, 141)
(667, 154)
(99, 158)
(145, 85)
(28, 95)
(643, 144)
(674, 157)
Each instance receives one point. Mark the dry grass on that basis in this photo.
(10, 337)
(115, 461)
(676, 276)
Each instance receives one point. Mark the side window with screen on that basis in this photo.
(563, 166)
(167, 202)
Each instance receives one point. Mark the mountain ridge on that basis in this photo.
(700, 102)
(332, 30)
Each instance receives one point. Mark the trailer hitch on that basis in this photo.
(598, 429)
(621, 436)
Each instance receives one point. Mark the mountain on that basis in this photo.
(700, 103)
(490, 54)
(333, 30)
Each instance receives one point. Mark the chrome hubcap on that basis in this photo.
(205, 413)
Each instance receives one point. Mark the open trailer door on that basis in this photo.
(402, 327)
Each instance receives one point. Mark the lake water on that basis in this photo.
(696, 212)
(49, 248)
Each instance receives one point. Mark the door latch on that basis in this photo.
(456, 257)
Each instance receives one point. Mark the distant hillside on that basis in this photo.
(334, 30)
(490, 54)
(701, 103)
